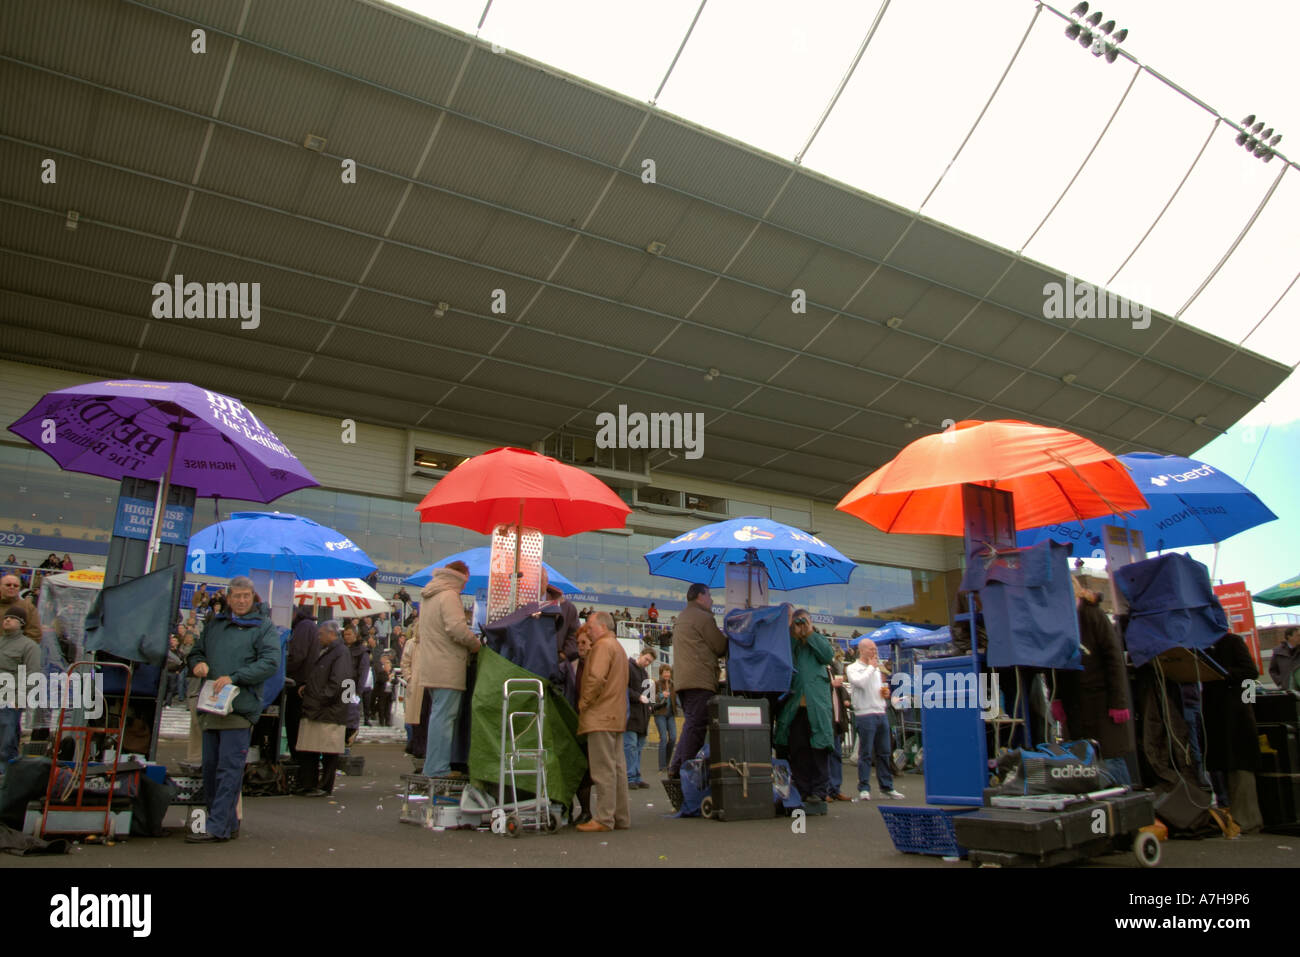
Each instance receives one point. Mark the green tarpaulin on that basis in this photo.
(565, 760)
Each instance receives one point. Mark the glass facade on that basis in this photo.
(43, 504)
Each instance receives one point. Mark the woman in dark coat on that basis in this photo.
(324, 713)
(1231, 736)
(360, 673)
(1096, 700)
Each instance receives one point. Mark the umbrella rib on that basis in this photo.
(1056, 456)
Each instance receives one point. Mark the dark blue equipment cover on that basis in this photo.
(133, 620)
(273, 685)
(1171, 605)
(1029, 608)
(758, 652)
(527, 639)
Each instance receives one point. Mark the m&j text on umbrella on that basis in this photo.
(792, 558)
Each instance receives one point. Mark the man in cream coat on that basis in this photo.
(442, 660)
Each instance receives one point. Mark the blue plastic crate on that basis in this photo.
(924, 830)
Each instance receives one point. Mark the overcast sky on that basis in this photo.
(763, 72)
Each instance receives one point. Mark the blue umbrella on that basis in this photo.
(1191, 504)
(793, 559)
(939, 636)
(278, 541)
(894, 633)
(479, 561)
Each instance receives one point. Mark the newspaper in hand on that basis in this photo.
(217, 702)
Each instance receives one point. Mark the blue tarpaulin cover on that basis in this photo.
(758, 648)
(527, 639)
(273, 685)
(133, 620)
(1171, 605)
(1028, 605)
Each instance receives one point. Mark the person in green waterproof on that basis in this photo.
(804, 725)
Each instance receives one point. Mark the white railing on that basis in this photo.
(650, 633)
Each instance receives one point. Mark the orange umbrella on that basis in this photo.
(1055, 476)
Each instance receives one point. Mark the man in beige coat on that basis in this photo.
(441, 661)
(602, 717)
(697, 646)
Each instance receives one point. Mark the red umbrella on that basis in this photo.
(523, 488)
(1055, 476)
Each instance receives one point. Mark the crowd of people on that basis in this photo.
(344, 674)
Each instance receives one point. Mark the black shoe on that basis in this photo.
(234, 835)
(204, 838)
(315, 793)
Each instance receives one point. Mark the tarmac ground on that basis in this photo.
(358, 826)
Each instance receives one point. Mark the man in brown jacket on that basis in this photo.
(10, 586)
(697, 646)
(602, 717)
(441, 661)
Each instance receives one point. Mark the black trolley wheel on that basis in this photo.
(706, 806)
(513, 825)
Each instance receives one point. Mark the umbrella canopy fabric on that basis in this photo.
(127, 428)
(1054, 475)
(349, 597)
(1191, 504)
(940, 636)
(1282, 595)
(793, 559)
(520, 487)
(479, 561)
(896, 632)
(277, 541)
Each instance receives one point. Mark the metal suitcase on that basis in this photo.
(740, 760)
(1046, 838)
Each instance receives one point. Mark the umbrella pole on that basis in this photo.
(164, 485)
(514, 580)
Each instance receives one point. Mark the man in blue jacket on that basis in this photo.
(240, 647)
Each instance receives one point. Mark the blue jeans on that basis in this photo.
(1117, 768)
(1192, 715)
(835, 768)
(224, 755)
(633, 743)
(667, 725)
(444, 717)
(873, 744)
(11, 733)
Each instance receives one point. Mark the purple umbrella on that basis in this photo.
(171, 432)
